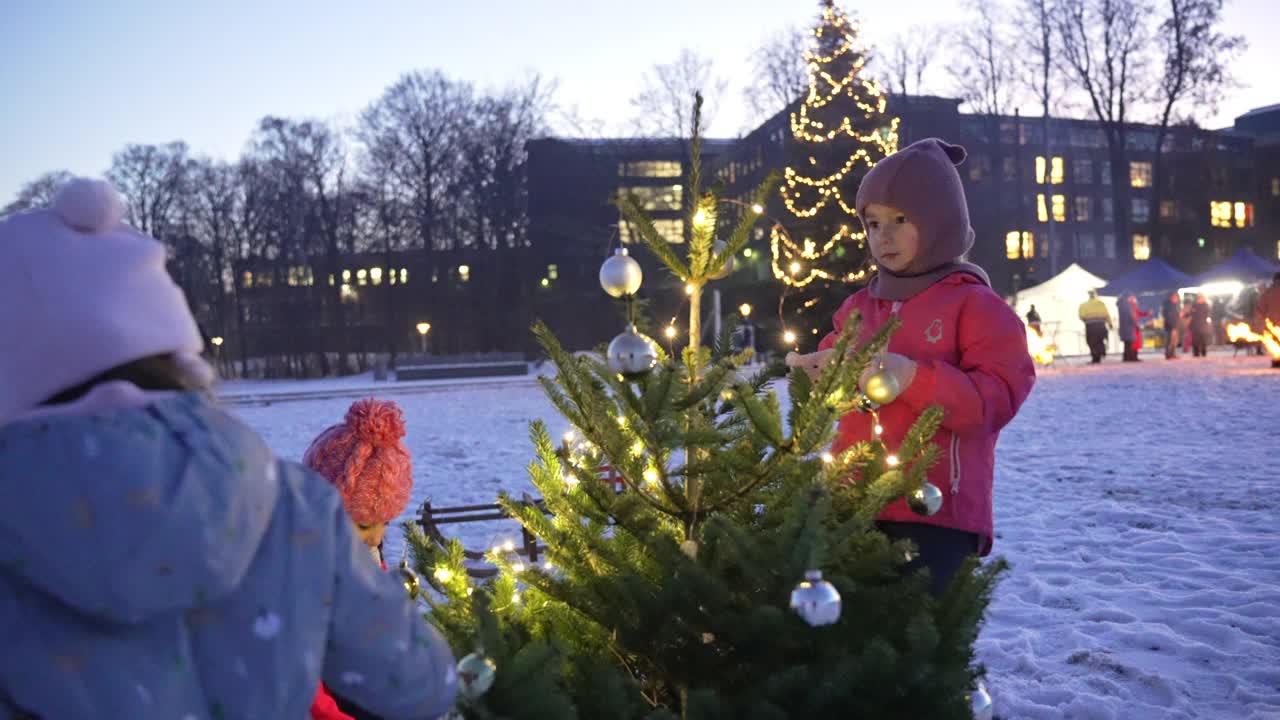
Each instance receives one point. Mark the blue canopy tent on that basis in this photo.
(1149, 277)
(1244, 267)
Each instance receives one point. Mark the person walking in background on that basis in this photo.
(1201, 332)
(1033, 319)
(1097, 323)
(1171, 314)
(1130, 326)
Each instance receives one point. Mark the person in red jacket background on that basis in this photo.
(959, 346)
(365, 460)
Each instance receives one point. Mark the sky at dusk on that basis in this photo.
(82, 79)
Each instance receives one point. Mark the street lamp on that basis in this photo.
(745, 310)
(423, 329)
(217, 341)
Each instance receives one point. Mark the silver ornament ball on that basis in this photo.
(620, 274)
(412, 584)
(718, 248)
(925, 501)
(631, 354)
(475, 675)
(980, 703)
(815, 600)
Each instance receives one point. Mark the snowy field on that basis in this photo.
(1137, 504)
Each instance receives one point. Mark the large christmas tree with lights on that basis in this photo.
(840, 131)
(727, 564)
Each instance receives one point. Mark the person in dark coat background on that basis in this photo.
(1130, 329)
(1201, 332)
(1033, 319)
(1172, 315)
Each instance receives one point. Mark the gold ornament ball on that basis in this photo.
(882, 387)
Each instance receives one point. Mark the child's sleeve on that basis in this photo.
(382, 653)
(837, 321)
(994, 375)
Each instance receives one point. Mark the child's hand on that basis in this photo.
(901, 367)
(812, 363)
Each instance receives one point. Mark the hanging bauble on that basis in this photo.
(620, 274)
(926, 500)
(475, 675)
(631, 354)
(412, 584)
(718, 248)
(882, 387)
(816, 600)
(980, 703)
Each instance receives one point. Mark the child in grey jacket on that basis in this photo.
(156, 560)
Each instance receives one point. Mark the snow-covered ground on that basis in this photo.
(1138, 505)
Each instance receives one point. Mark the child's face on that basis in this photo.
(895, 241)
(371, 535)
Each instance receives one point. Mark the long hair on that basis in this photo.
(155, 372)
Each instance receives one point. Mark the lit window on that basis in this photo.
(671, 230)
(1012, 245)
(1278, 249)
(650, 168)
(1040, 168)
(332, 281)
(1141, 209)
(1059, 208)
(1244, 214)
(1028, 245)
(1168, 210)
(1220, 214)
(1042, 210)
(1052, 169)
(464, 273)
(1141, 247)
(1275, 187)
(375, 275)
(346, 276)
(553, 271)
(404, 276)
(1055, 171)
(662, 197)
(1140, 174)
(362, 277)
(247, 279)
(1084, 208)
(391, 276)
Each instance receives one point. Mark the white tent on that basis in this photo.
(1058, 300)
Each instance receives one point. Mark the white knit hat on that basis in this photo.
(81, 293)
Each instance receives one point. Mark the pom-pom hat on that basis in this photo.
(364, 459)
(80, 294)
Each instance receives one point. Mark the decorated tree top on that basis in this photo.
(841, 130)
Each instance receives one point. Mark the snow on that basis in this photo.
(1135, 503)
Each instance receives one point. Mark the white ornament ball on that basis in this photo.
(815, 600)
(631, 354)
(718, 248)
(621, 275)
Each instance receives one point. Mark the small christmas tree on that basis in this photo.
(840, 131)
(738, 572)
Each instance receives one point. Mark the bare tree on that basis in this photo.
(1196, 69)
(984, 71)
(779, 72)
(664, 104)
(1102, 45)
(908, 55)
(38, 193)
(1033, 22)
(413, 133)
(153, 178)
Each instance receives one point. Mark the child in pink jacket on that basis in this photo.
(959, 346)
